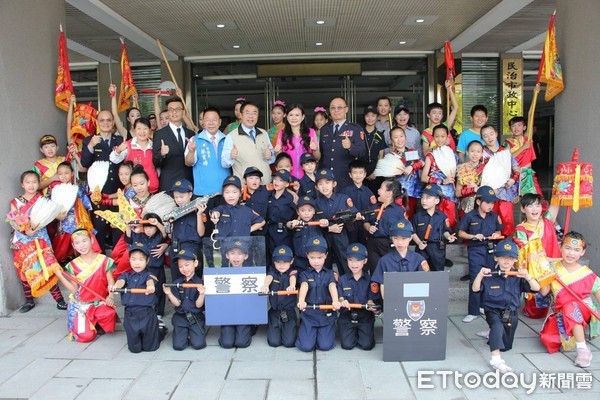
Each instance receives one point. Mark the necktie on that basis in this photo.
(213, 140)
(252, 134)
(179, 139)
(336, 130)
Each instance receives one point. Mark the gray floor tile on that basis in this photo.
(61, 388)
(104, 389)
(31, 378)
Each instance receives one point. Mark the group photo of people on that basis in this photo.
(333, 204)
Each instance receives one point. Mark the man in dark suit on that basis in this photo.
(168, 147)
(341, 142)
(98, 148)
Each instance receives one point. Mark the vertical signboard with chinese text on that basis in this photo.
(512, 91)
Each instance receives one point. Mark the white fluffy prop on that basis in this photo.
(389, 166)
(97, 174)
(445, 160)
(497, 170)
(43, 212)
(65, 194)
(160, 204)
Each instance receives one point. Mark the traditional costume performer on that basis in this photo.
(529, 182)
(47, 169)
(468, 173)
(87, 307)
(568, 310)
(33, 256)
(500, 166)
(443, 165)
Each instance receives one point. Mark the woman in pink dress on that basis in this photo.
(296, 139)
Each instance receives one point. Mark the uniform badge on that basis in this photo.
(374, 287)
(507, 246)
(349, 202)
(373, 200)
(282, 251)
(415, 309)
(178, 183)
(355, 248)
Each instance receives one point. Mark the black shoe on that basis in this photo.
(448, 263)
(61, 305)
(99, 330)
(465, 278)
(28, 306)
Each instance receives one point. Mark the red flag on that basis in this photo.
(550, 70)
(127, 86)
(84, 123)
(63, 88)
(449, 59)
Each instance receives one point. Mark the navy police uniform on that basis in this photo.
(356, 326)
(301, 237)
(279, 211)
(101, 153)
(155, 264)
(307, 185)
(185, 232)
(188, 321)
(327, 207)
(317, 327)
(394, 262)
(479, 253)
(141, 324)
(333, 155)
(236, 220)
(500, 299)
(364, 200)
(378, 244)
(433, 226)
(282, 327)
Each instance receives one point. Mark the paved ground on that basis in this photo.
(37, 361)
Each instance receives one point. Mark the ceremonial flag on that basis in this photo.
(449, 59)
(84, 123)
(550, 70)
(127, 86)
(63, 88)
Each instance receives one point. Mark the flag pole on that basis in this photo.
(171, 74)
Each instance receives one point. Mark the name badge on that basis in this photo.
(411, 155)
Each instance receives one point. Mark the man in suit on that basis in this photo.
(341, 142)
(98, 148)
(169, 145)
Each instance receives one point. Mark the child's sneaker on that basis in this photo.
(584, 358)
(484, 334)
(161, 323)
(501, 366)
(61, 305)
(470, 318)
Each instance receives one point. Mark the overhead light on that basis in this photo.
(320, 22)
(319, 44)
(402, 42)
(236, 46)
(220, 25)
(419, 21)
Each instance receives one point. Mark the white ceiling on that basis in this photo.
(187, 28)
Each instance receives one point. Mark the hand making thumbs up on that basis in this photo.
(346, 143)
(191, 144)
(164, 149)
(234, 152)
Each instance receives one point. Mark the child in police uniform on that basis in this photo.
(328, 204)
(431, 228)
(282, 314)
(141, 324)
(477, 228)
(317, 287)
(307, 182)
(239, 336)
(187, 231)
(305, 228)
(188, 319)
(356, 325)
(501, 298)
(401, 260)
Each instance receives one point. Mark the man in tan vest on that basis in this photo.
(248, 146)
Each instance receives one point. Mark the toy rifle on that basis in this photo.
(278, 293)
(184, 210)
(501, 272)
(131, 290)
(183, 285)
(352, 305)
(346, 217)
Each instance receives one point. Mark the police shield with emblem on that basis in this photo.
(232, 279)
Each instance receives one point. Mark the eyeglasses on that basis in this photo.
(174, 109)
(337, 107)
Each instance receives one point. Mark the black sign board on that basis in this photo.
(415, 318)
